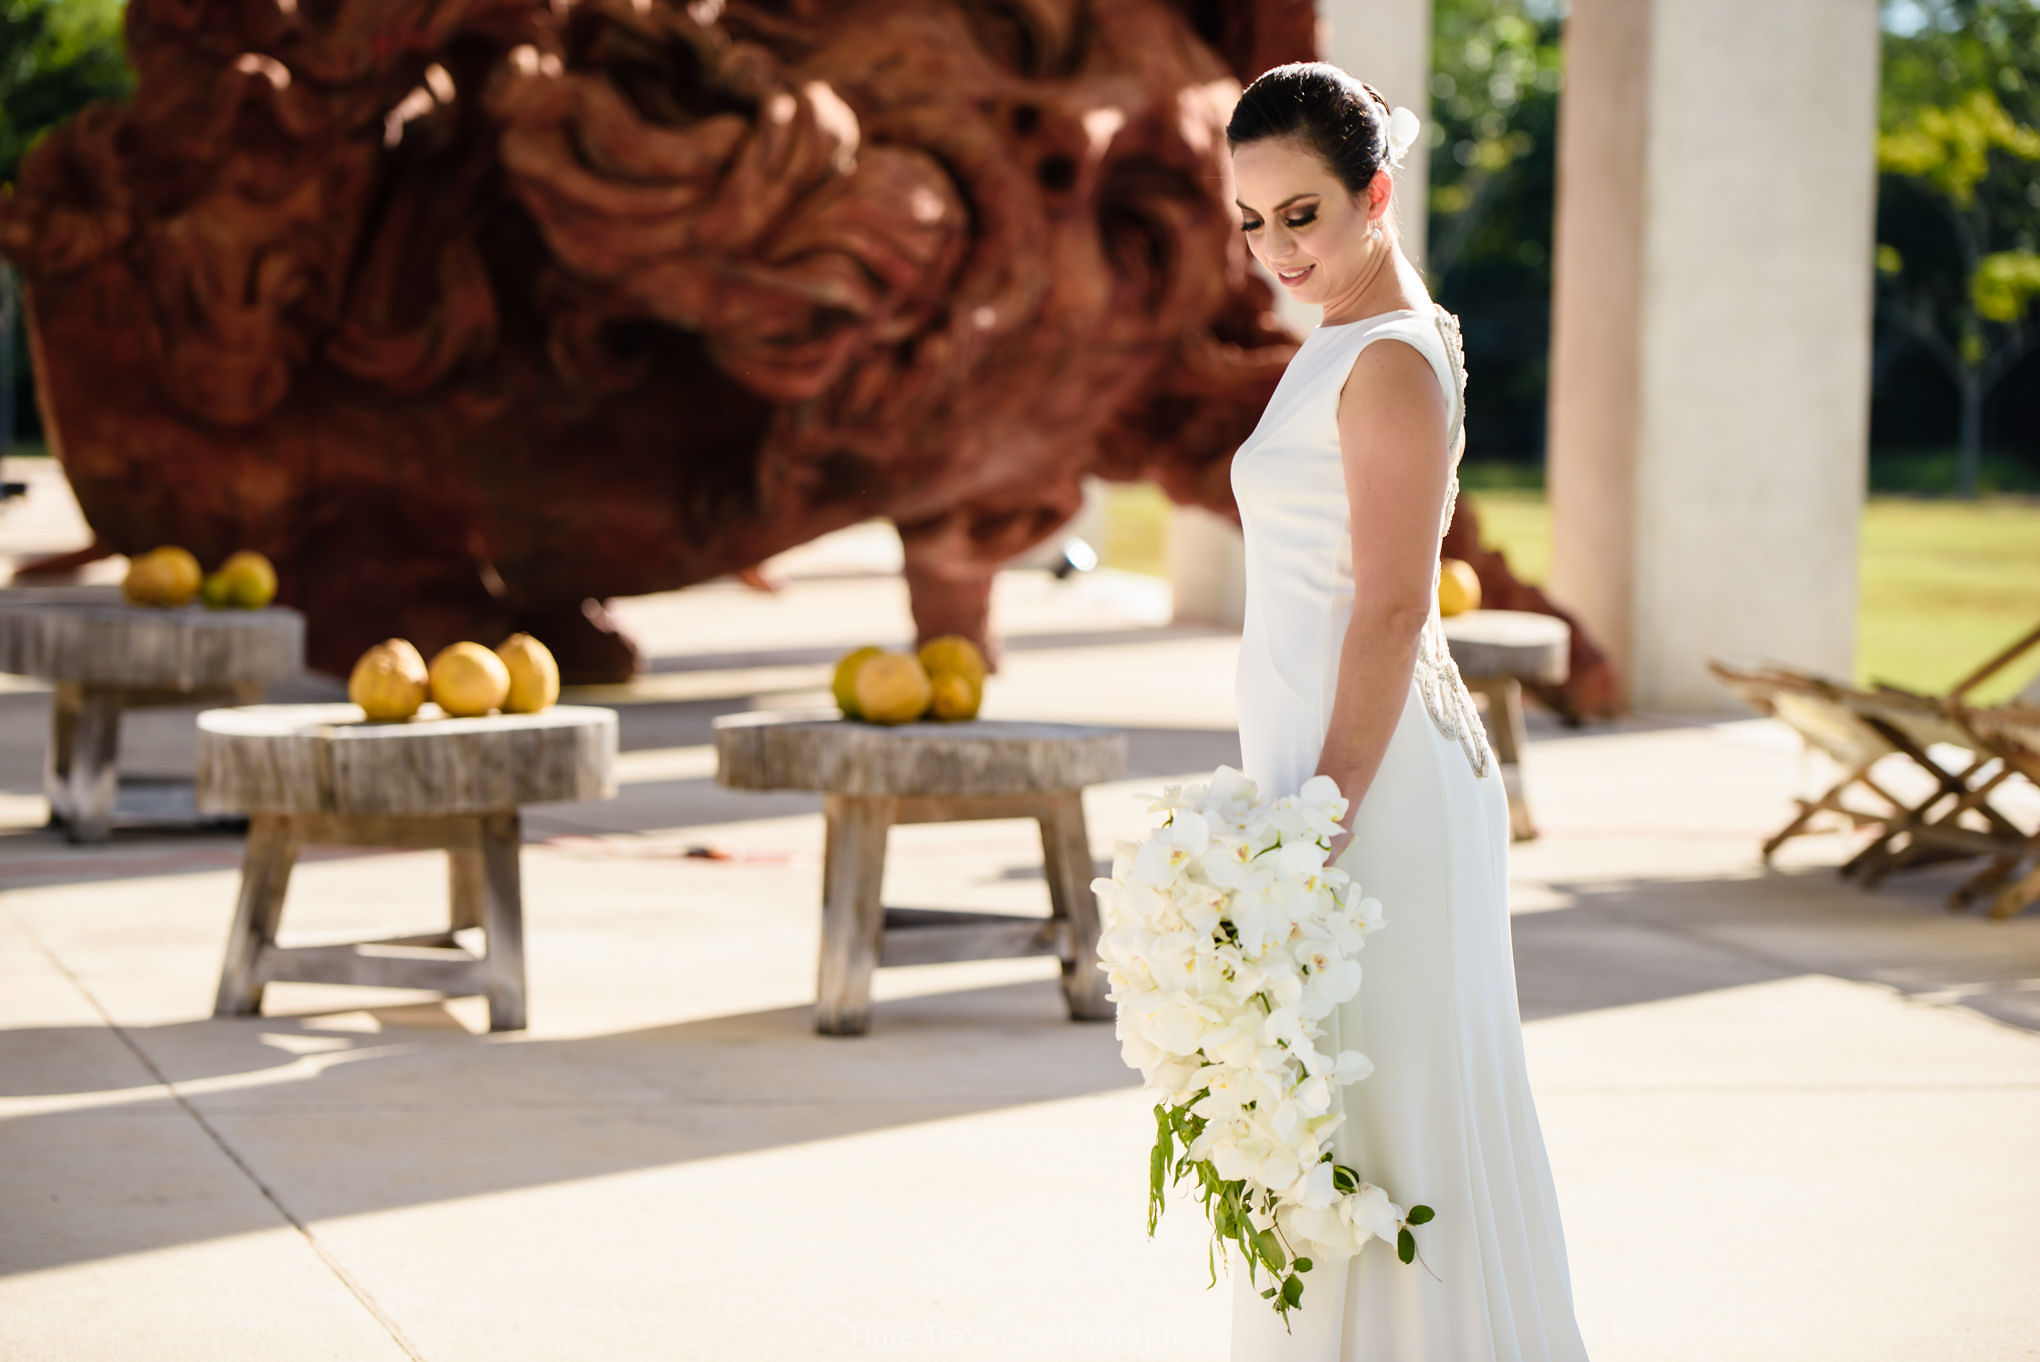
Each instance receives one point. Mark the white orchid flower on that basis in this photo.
(1350, 1067)
(1369, 1211)
(1229, 785)
(1330, 986)
(1361, 909)
(1322, 1228)
(1315, 1189)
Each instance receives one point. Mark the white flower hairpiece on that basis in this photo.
(1403, 127)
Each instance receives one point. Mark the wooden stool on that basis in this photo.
(320, 775)
(106, 657)
(1496, 651)
(873, 777)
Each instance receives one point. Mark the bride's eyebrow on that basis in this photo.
(1280, 206)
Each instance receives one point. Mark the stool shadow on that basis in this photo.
(341, 1123)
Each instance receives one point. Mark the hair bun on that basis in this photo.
(1345, 121)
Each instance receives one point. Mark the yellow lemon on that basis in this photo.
(534, 675)
(954, 653)
(1458, 587)
(467, 679)
(845, 683)
(167, 576)
(956, 696)
(892, 689)
(248, 581)
(388, 680)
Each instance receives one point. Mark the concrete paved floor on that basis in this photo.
(1789, 1120)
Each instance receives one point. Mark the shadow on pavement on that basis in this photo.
(421, 1113)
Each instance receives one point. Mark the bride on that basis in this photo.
(1344, 489)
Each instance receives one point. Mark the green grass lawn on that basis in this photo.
(1944, 584)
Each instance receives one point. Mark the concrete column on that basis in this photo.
(1711, 333)
(1387, 43)
(1207, 568)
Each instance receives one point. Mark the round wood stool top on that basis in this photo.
(328, 759)
(93, 638)
(821, 750)
(1513, 643)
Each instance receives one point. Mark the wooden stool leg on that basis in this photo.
(853, 918)
(1066, 862)
(57, 756)
(84, 773)
(466, 887)
(265, 874)
(503, 918)
(1507, 737)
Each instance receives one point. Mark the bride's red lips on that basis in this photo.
(1291, 278)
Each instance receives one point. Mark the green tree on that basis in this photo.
(1496, 69)
(56, 56)
(1958, 257)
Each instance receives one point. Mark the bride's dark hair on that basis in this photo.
(1342, 119)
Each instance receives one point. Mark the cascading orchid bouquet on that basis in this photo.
(1228, 942)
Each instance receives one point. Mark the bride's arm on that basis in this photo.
(1393, 423)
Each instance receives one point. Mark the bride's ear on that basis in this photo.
(1380, 195)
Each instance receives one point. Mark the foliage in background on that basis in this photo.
(56, 56)
(1496, 71)
(1948, 66)
(1958, 258)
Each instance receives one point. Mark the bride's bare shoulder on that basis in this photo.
(1392, 393)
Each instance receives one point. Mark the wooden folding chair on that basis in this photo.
(1815, 710)
(1957, 818)
(1860, 730)
(2012, 733)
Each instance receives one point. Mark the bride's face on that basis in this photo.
(1300, 222)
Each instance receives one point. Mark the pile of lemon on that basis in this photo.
(391, 681)
(944, 680)
(170, 577)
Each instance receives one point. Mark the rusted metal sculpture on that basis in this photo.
(474, 313)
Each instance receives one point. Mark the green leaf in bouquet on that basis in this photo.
(1420, 1215)
(1271, 1249)
(1344, 1179)
(1302, 1264)
(1405, 1245)
(1292, 1291)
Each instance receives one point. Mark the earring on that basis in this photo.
(1375, 231)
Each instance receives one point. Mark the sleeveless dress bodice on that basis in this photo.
(1290, 484)
(1446, 1118)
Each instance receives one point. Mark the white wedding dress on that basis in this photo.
(1446, 1119)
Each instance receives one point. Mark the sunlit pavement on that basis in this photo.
(1788, 1119)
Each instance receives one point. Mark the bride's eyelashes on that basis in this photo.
(1302, 219)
